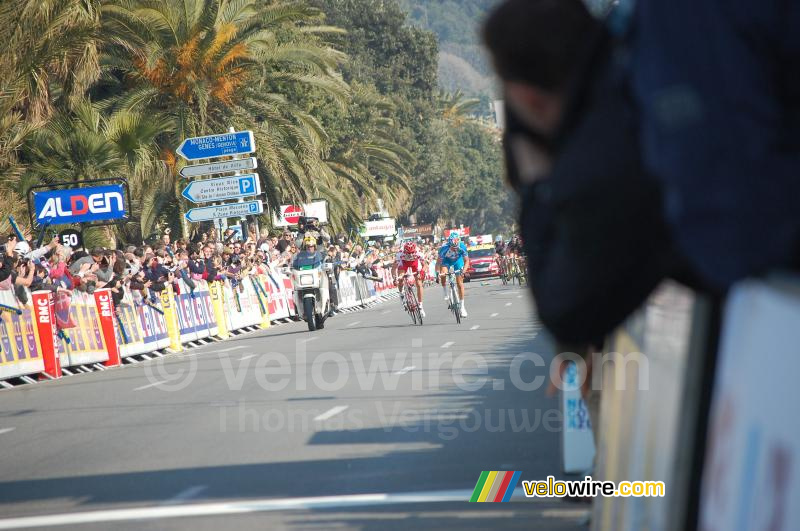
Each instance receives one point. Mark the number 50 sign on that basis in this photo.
(70, 238)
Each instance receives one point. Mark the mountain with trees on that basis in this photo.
(462, 61)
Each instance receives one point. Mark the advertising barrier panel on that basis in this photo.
(21, 352)
(84, 344)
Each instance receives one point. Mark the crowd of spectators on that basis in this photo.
(149, 268)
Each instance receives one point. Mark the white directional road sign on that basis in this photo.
(197, 170)
(207, 147)
(228, 210)
(223, 188)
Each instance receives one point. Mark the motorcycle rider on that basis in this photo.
(410, 258)
(309, 243)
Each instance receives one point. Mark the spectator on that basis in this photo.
(591, 219)
(285, 242)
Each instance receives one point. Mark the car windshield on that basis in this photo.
(307, 260)
(481, 253)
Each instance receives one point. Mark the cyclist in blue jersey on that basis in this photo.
(454, 254)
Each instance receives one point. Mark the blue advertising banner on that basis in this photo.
(80, 205)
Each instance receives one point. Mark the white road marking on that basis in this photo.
(6, 430)
(247, 357)
(185, 495)
(235, 507)
(331, 413)
(475, 327)
(448, 344)
(148, 386)
(230, 349)
(519, 296)
(508, 304)
(385, 312)
(405, 370)
(353, 323)
(494, 315)
(310, 339)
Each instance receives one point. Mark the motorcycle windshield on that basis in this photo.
(307, 260)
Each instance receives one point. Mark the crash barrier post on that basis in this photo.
(647, 389)
(215, 294)
(22, 352)
(171, 319)
(105, 315)
(82, 341)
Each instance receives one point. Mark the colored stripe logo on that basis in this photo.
(495, 486)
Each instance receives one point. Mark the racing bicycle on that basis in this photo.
(411, 303)
(455, 300)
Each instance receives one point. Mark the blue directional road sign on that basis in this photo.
(207, 147)
(228, 210)
(223, 188)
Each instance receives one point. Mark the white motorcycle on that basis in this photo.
(311, 288)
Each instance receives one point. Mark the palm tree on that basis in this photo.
(84, 144)
(49, 58)
(455, 108)
(205, 65)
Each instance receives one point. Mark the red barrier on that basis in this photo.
(105, 312)
(45, 325)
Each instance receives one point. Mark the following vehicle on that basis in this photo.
(482, 262)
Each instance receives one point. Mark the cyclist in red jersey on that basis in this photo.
(411, 258)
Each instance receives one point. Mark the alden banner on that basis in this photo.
(80, 205)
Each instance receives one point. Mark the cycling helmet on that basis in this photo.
(309, 241)
(452, 238)
(409, 248)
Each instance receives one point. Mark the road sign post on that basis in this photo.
(212, 146)
(227, 210)
(207, 190)
(226, 166)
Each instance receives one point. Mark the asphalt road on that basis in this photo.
(371, 423)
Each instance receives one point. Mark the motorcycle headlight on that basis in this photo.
(306, 280)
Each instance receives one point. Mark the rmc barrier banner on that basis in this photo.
(84, 344)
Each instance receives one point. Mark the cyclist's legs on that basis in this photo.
(400, 281)
(443, 275)
(460, 284)
(419, 289)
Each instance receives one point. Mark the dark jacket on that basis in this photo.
(593, 228)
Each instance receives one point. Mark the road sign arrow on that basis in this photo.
(207, 147)
(223, 188)
(228, 210)
(197, 170)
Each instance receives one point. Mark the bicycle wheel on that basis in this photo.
(456, 303)
(411, 304)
